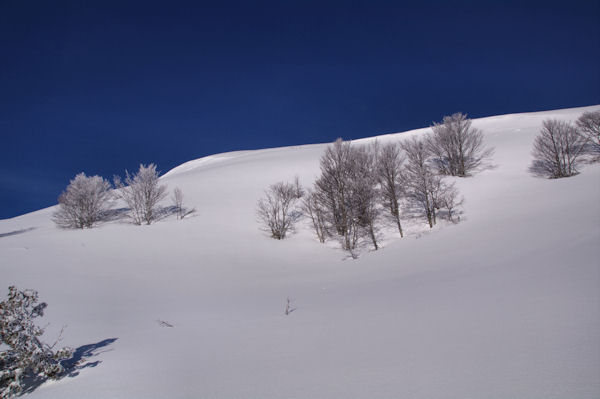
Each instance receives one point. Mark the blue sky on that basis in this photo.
(102, 86)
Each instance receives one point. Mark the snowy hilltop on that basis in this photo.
(492, 292)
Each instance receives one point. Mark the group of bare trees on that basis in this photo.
(344, 200)
(361, 186)
(88, 200)
(561, 146)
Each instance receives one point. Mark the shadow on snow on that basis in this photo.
(81, 359)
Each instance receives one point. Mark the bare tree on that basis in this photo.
(389, 167)
(457, 148)
(346, 193)
(333, 188)
(298, 187)
(178, 202)
(589, 127)
(365, 194)
(142, 192)
(84, 202)
(557, 149)
(276, 210)
(312, 207)
(422, 184)
(448, 199)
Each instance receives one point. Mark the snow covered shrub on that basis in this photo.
(142, 192)
(557, 150)
(22, 352)
(589, 127)
(457, 148)
(276, 210)
(84, 202)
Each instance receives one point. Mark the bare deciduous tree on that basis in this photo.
(298, 187)
(178, 202)
(557, 149)
(333, 187)
(423, 186)
(85, 202)
(589, 128)
(448, 199)
(389, 167)
(312, 207)
(346, 193)
(457, 148)
(276, 210)
(142, 192)
(365, 194)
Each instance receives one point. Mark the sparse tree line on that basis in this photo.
(363, 186)
(561, 146)
(88, 200)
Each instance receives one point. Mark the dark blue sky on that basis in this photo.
(101, 86)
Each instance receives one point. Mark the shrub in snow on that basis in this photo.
(557, 150)
(457, 148)
(142, 192)
(22, 352)
(276, 210)
(589, 128)
(84, 202)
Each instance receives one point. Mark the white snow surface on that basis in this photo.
(503, 304)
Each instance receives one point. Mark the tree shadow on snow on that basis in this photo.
(14, 233)
(81, 359)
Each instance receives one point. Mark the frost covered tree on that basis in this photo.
(557, 149)
(84, 202)
(142, 192)
(22, 352)
(389, 172)
(456, 147)
(276, 211)
(589, 127)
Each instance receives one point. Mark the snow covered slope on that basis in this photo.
(504, 304)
